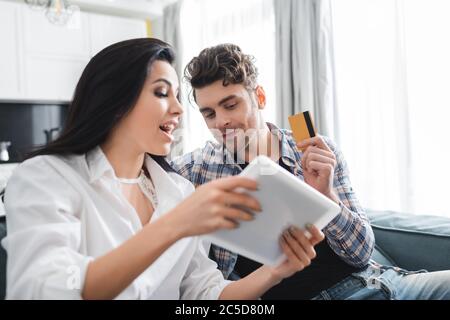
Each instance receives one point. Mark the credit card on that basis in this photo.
(302, 126)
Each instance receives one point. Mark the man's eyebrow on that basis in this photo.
(205, 109)
(221, 102)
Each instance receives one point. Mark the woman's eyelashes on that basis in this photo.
(161, 94)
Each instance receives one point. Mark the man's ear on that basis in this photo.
(260, 97)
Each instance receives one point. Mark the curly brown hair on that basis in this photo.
(224, 62)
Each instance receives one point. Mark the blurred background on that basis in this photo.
(374, 74)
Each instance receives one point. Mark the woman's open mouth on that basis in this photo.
(168, 128)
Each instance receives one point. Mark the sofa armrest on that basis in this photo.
(412, 242)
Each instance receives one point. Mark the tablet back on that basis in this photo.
(285, 201)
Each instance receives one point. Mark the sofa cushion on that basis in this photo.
(412, 242)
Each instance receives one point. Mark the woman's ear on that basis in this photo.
(261, 97)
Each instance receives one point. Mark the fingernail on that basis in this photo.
(309, 226)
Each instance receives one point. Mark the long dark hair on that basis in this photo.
(107, 90)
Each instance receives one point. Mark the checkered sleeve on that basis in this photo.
(184, 165)
(349, 234)
(225, 259)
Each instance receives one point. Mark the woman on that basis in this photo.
(99, 214)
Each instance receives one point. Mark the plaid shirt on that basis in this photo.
(349, 235)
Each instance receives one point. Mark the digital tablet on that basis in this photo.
(286, 200)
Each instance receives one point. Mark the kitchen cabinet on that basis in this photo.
(52, 78)
(54, 56)
(10, 67)
(106, 30)
(40, 61)
(42, 37)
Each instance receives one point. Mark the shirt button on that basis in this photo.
(342, 251)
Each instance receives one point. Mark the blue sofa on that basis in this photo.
(410, 242)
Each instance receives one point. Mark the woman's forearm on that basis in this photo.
(252, 286)
(109, 275)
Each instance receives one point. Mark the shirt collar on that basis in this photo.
(98, 164)
(99, 167)
(166, 185)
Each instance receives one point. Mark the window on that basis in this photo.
(392, 68)
(249, 24)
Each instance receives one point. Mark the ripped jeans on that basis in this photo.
(379, 282)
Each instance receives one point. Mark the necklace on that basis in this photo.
(130, 181)
(148, 188)
(146, 185)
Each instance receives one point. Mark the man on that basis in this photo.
(225, 87)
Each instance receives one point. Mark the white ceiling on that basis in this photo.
(161, 2)
(146, 9)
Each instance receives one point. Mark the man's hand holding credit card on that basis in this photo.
(318, 160)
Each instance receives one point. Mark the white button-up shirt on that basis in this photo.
(62, 212)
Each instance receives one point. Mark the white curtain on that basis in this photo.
(249, 24)
(392, 71)
(305, 63)
(171, 32)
